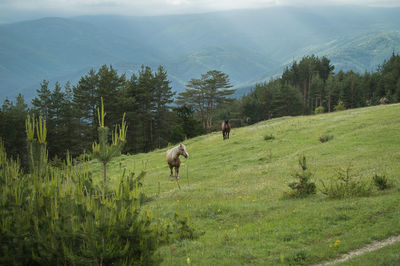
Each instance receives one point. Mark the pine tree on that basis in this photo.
(370, 84)
(331, 92)
(217, 89)
(317, 92)
(146, 104)
(352, 91)
(42, 102)
(206, 93)
(105, 83)
(108, 86)
(163, 96)
(85, 100)
(288, 100)
(194, 97)
(103, 151)
(389, 83)
(69, 125)
(128, 101)
(186, 125)
(36, 147)
(12, 118)
(55, 113)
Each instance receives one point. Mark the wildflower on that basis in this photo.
(172, 249)
(188, 260)
(337, 242)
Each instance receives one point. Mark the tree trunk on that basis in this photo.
(305, 96)
(151, 134)
(329, 103)
(104, 176)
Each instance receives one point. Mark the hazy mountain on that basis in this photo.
(249, 45)
(238, 62)
(364, 51)
(51, 47)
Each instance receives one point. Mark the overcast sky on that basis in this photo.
(15, 10)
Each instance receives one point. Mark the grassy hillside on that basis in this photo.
(233, 190)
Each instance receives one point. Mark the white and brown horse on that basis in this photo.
(173, 158)
(226, 128)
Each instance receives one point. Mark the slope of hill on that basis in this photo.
(232, 190)
(250, 45)
(47, 48)
(361, 52)
(238, 62)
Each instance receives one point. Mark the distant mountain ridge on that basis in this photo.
(365, 51)
(249, 45)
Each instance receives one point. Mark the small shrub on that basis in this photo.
(346, 186)
(319, 110)
(183, 228)
(269, 137)
(57, 162)
(340, 106)
(381, 182)
(304, 187)
(325, 138)
(84, 157)
(384, 100)
(297, 258)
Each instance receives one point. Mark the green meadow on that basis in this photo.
(235, 192)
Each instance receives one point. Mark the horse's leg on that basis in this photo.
(170, 168)
(228, 135)
(177, 172)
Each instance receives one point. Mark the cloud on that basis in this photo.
(14, 9)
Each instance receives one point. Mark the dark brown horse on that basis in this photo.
(226, 128)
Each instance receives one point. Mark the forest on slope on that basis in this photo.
(154, 120)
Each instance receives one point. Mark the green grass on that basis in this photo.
(386, 256)
(235, 198)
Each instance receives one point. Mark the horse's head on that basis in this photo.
(226, 121)
(182, 150)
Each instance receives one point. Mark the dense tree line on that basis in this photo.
(71, 113)
(311, 83)
(12, 126)
(154, 120)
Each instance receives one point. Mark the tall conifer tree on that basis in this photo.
(206, 93)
